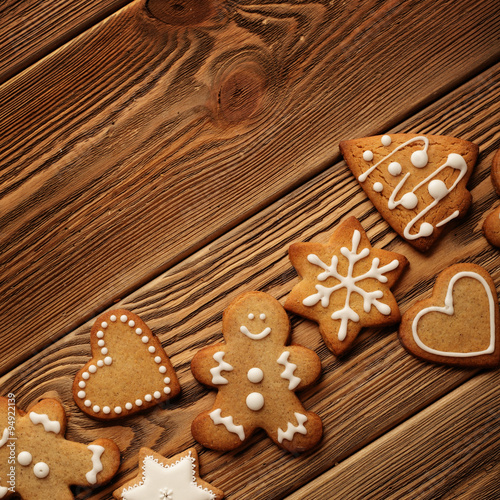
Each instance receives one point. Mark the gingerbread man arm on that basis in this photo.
(50, 414)
(208, 366)
(301, 367)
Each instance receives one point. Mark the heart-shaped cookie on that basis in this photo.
(416, 182)
(460, 324)
(491, 225)
(128, 372)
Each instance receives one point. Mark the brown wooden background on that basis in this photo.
(161, 156)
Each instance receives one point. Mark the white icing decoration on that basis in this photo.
(166, 380)
(255, 336)
(152, 349)
(104, 324)
(157, 394)
(97, 467)
(104, 351)
(24, 458)
(163, 369)
(112, 317)
(100, 343)
(158, 359)
(131, 323)
(348, 282)
(123, 318)
(145, 339)
(217, 378)
(255, 401)
(106, 410)
(100, 335)
(49, 425)
(262, 316)
(96, 408)
(386, 140)
(167, 390)
(251, 316)
(82, 384)
(100, 363)
(128, 406)
(81, 394)
(92, 368)
(228, 423)
(289, 369)
(5, 437)
(168, 482)
(449, 310)
(41, 470)
(148, 397)
(138, 331)
(394, 168)
(108, 360)
(138, 402)
(437, 188)
(255, 375)
(378, 187)
(368, 156)
(118, 410)
(291, 429)
(85, 375)
(3, 491)
(88, 403)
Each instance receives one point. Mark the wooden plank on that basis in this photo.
(449, 450)
(377, 386)
(137, 143)
(31, 29)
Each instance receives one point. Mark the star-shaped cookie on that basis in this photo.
(345, 285)
(175, 478)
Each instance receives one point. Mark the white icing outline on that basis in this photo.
(289, 369)
(255, 336)
(449, 310)
(49, 425)
(228, 423)
(291, 429)
(3, 491)
(97, 451)
(5, 437)
(217, 378)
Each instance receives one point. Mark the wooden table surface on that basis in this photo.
(162, 155)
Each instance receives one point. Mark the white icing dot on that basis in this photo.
(100, 334)
(100, 343)
(145, 339)
(157, 394)
(123, 318)
(82, 384)
(86, 375)
(96, 408)
(24, 458)
(106, 410)
(167, 390)
(166, 380)
(378, 187)
(157, 359)
(394, 168)
(41, 470)
(163, 369)
(108, 360)
(426, 229)
(151, 349)
(88, 403)
(386, 140)
(437, 189)
(113, 317)
(409, 201)
(262, 316)
(251, 316)
(92, 368)
(419, 159)
(255, 401)
(104, 324)
(138, 402)
(368, 155)
(128, 406)
(104, 351)
(148, 397)
(255, 375)
(131, 323)
(100, 363)
(138, 331)
(118, 410)
(81, 394)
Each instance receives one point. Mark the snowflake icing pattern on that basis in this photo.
(349, 283)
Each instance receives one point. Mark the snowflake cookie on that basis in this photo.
(256, 375)
(176, 478)
(128, 372)
(38, 463)
(491, 225)
(460, 324)
(345, 285)
(416, 182)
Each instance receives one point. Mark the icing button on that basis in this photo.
(255, 375)
(41, 470)
(255, 401)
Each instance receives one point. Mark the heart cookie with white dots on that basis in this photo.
(129, 371)
(491, 225)
(460, 324)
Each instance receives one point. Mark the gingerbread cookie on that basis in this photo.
(38, 463)
(176, 478)
(460, 324)
(256, 374)
(128, 372)
(491, 225)
(345, 285)
(416, 182)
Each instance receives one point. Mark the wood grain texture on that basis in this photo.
(374, 388)
(409, 461)
(32, 29)
(140, 141)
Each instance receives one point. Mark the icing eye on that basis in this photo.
(251, 316)
(262, 316)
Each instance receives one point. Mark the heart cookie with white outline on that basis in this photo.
(491, 225)
(129, 371)
(460, 324)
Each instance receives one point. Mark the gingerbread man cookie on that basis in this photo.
(256, 375)
(491, 225)
(345, 285)
(38, 463)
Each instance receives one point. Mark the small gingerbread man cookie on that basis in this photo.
(38, 463)
(256, 375)
(491, 225)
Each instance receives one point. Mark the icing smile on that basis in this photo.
(255, 336)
